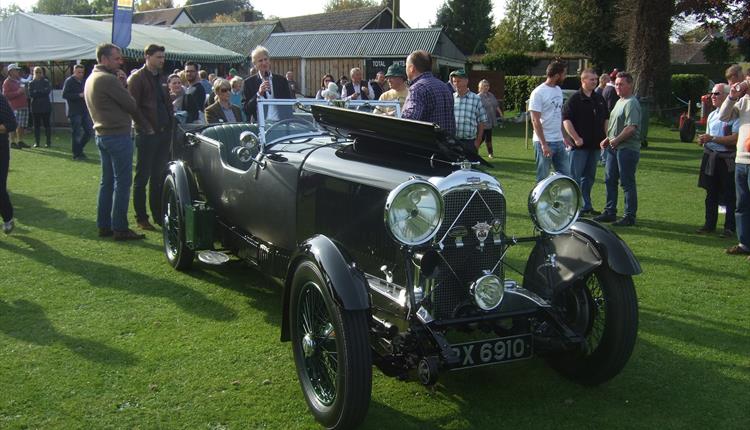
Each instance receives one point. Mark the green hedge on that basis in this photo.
(715, 72)
(690, 87)
(519, 88)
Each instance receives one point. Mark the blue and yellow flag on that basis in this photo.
(122, 19)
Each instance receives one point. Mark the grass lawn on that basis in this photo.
(99, 334)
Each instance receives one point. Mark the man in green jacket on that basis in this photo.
(112, 108)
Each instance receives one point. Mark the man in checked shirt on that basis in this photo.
(469, 112)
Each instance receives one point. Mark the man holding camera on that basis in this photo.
(737, 106)
(717, 166)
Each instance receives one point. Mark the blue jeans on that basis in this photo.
(82, 130)
(559, 159)
(583, 170)
(742, 212)
(620, 167)
(116, 153)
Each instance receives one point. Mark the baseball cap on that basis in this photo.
(460, 73)
(13, 66)
(396, 70)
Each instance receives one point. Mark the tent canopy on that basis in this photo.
(37, 37)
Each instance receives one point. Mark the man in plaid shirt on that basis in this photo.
(469, 112)
(429, 98)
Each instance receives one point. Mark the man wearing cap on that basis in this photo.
(396, 77)
(15, 92)
(469, 112)
(429, 99)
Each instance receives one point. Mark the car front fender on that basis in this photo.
(345, 282)
(184, 182)
(613, 249)
(557, 261)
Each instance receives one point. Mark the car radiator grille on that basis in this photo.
(462, 265)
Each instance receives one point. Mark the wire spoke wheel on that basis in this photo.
(312, 328)
(179, 255)
(331, 351)
(603, 308)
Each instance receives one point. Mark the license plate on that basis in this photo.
(485, 352)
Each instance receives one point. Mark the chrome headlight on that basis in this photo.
(555, 203)
(488, 292)
(414, 212)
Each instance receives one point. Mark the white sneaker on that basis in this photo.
(8, 226)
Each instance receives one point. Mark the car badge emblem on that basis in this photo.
(473, 180)
(482, 231)
(458, 233)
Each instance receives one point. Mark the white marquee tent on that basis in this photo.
(31, 37)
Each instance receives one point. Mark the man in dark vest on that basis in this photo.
(357, 89)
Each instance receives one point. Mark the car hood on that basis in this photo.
(341, 162)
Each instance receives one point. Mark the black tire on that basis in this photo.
(604, 309)
(178, 254)
(325, 336)
(687, 131)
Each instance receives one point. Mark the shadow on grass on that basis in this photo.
(262, 292)
(27, 321)
(672, 153)
(684, 233)
(44, 217)
(697, 331)
(48, 218)
(102, 275)
(56, 152)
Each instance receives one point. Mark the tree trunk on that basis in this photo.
(648, 23)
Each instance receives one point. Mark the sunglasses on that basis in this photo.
(717, 94)
(225, 90)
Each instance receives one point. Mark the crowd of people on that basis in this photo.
(601, 122)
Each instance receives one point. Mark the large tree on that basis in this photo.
(468, 23)
(646, 26)
(522, 29)
(586, 26)
(734, 13)
(334, 5)
(6, 11)
(144, 5)
(62, 7)
(207, 12)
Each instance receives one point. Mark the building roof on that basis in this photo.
(160, 16)
(239, 37)
(687, 53)
(365, 43)
(37, 37)
(351, 19)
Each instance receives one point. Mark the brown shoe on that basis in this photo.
(737, 250)
(105, 232)
(127, 235)
(145, 225)
(705, 230)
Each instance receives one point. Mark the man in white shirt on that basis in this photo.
(545, 108)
